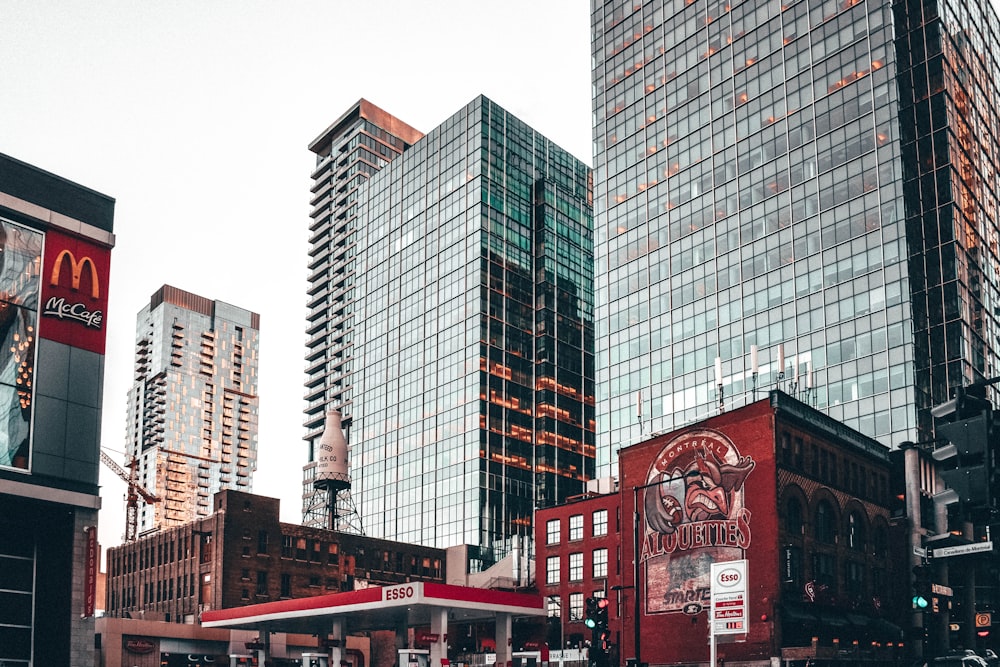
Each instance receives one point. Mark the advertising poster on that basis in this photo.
(693, 514)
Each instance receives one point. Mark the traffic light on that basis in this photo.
(921, 587)
(965, 460)
(597, 620)
(591, 618)
(597, 614)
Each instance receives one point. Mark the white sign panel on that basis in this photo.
(944, 552)
(729, 598)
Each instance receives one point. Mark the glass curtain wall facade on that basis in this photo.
(785, 176)
(473, 399)
(362, 141)
(193, 404)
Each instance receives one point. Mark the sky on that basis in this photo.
(196, 116)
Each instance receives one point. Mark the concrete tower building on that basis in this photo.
(805, 190)
(358, 144)
(192, 408)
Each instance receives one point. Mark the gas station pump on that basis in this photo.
(315, 660)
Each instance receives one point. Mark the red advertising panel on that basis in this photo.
(74, 292)
(703, 496)
(90, 573)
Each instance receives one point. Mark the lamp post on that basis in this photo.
(621, 619)
(636, 525)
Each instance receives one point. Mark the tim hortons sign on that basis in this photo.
(74, 292)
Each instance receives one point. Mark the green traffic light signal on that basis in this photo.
(919, 602)
(590, 623)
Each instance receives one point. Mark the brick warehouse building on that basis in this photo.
(56, 239)
(803, 499)
(242, 554)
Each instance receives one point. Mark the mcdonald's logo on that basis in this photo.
(76, 272)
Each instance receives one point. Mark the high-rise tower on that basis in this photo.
(814, 180)
(472, 357)
(192, 407)
(358, 144)
(473, 400)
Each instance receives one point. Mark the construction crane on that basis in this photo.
(135, 490)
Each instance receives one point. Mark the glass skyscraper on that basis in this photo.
(808, 184)
(472, 354)
(193, 404)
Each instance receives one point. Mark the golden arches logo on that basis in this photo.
(77, 270)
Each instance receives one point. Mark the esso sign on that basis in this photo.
(729, 577)
(404, 592)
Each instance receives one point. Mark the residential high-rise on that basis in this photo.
(55, 256)
(192, 407)
(813, 180)
(472, 364)
(362, 141)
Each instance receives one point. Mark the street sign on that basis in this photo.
(729, 598)
(984, 619)
(962, 549)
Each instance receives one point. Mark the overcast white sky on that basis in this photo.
(196, 116)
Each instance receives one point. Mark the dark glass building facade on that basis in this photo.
(472, 398)
(809, 185)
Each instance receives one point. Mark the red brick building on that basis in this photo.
(242, 554)
(804, 500)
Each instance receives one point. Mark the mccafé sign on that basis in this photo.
(74, 292)
(63, 309)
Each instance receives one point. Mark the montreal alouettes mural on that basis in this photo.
(694, 515)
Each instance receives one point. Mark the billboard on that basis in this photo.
(694, 514)
(74, 292)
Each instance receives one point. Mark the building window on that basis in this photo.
(553, 606)
(854, 579)
(552, 528)
(575, 607)
(286, 585)
(552, 570)
(793, 517)
(600, 523)
(825, 573)
(576, 567)
(600, 563)
(262, 541)
(825, 531)
(261, 582)
(855, 532)
(22, 252)
(287, 546)
(576, 527)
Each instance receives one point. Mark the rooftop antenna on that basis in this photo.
(718, 384)
(793, 377)
(781, 366)
(638, 408)
(754, 368)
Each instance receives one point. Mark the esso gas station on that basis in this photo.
(400, 608)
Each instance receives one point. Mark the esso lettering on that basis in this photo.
(729, 577)
(399, 593)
